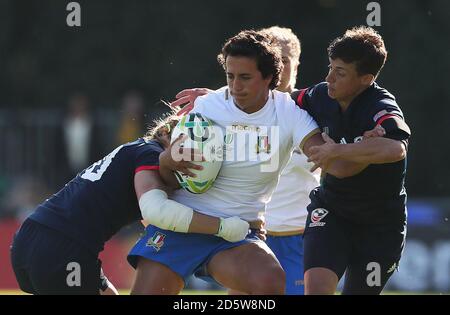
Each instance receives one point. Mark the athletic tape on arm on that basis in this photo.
(165, 213)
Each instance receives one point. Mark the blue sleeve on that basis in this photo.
(387, 114)
(309, 99)
(147, 157)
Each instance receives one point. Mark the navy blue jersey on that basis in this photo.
(377, 194)
(101, 199)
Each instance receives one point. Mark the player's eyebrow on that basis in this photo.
(239, 74)
(337, 67)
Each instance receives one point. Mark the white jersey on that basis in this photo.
(257, 147)
(286, 212)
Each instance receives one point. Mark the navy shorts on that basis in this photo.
(47, 262)
(368, 254)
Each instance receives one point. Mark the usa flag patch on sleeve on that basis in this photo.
(379, 115)
(383, 113)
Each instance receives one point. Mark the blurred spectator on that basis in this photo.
(81, 145)
(3, 190)
(23, 195)
(132, 123)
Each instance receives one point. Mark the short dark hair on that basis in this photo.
(363, 46)
(252, 44)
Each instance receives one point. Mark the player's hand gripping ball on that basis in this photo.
(207, 139)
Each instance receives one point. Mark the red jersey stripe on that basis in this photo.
(383, 118)
(147, 168)
(300, 98)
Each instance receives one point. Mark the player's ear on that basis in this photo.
(269, 80)
(367, 79)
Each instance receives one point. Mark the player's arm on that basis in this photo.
(390, 148)
(372, 150)
(176, 158)
(342, 168)
(168, 214)
(167, 175)
(337, 167)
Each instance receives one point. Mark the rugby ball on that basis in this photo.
(208, 140)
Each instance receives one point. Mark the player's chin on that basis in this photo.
(240, 97)
(331, 93)
(241, 101)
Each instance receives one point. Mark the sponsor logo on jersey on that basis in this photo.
(356, 140)
(343, 140)
(157, 241)
(245, 128)
(316, 217)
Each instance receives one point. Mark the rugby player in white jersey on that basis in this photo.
(261, 126)
(286, 212)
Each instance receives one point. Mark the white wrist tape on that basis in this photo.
(233, 229)
(165, 213)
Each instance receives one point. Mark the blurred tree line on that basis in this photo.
(160, 47)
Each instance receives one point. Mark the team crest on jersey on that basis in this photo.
(228, 139)
(316, 217)
(157, 241)
(263, 145)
